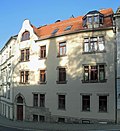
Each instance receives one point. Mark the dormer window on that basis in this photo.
(93, 19)
(25, 36)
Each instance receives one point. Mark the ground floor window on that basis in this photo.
(37, 118)
(103, 103)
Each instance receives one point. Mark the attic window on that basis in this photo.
(68, 27)
(55, 31)
(93, 19)
(25, 36)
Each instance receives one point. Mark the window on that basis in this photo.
(43, 52)
(42, 100)
(24, 76)
(61, 102)
(25, 54)
(93, 19)
(19, 99)
(62, 49)
(42, 76)
(61, 120)
(103, 103)
(68, 28)
(61, 76)
(95, 73)
(35, 118)
(35, 99)
(55, 31)
(41, 118)
(94, 44)
(86, 103)
(39, 100)
(25, 36)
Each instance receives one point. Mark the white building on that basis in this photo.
(62, 72)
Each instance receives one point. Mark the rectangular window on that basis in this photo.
(42, 76)
(94, 73)
(62, 48)
(61, 102)
(42, 118)
(35, 99)
(35, 118)
(94, 44)
(86, 103)
(43, 52)
(24, 76)
(42, 100)
(25, 54)
(103, 103)
(22, 55)
(61, 75)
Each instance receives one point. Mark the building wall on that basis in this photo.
(74, 89)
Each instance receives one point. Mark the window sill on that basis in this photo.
(61, 55)
(62, 109)
(103, 112)
(24, 61)
(95, 81)
(42, 58)
(61, 82)
(24, 83)
(93, 52)
(40, 82)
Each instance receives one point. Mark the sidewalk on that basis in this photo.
(37, 126)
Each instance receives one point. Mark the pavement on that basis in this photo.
(39, 126)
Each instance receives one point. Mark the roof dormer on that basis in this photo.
(93, 19)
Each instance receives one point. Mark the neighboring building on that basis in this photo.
(117, 42)
(62, 72)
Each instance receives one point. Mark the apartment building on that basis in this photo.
(62, 72)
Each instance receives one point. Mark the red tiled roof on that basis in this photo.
(46, 31)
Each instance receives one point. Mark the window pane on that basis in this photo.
(62, 48)
(61, 101)
(35, 99)
(27, 54)
(42, 76)
(35, 118)
(101, 72)
(22, 55)
(42, 100)
(43, 51)
(26, 76)
(94, 73)
(103, 103)
(86, 103)
(25, 36)
(101, 44)
(86, 73)
(62, 74)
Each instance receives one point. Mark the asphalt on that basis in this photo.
(39, 126)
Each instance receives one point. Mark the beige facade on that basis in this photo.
(87, 92)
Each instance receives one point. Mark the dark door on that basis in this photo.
(20, 112)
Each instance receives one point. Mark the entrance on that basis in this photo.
(20, 112)
(19, 108)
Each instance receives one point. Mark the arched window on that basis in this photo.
(19, 99)
(25, 36)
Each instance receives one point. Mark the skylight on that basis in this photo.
(68, 27)
(55, 31)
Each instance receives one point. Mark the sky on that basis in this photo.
(42, 12)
